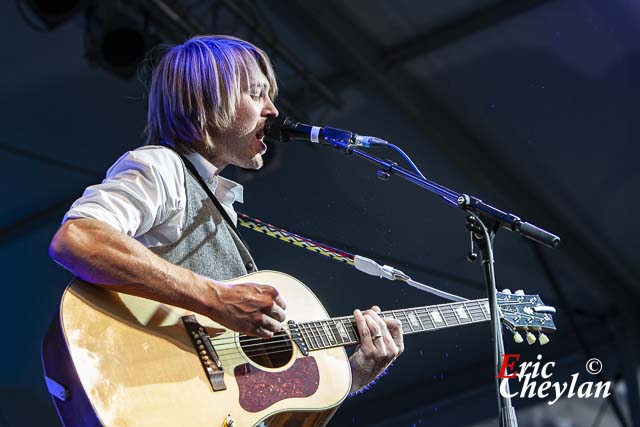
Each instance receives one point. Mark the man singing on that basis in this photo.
(162, 224)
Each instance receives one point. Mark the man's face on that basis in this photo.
(243, 143)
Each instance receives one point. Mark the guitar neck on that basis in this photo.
(342, 331)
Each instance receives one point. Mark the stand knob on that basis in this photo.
(383, 174)
(472, 256)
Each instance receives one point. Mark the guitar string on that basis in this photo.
(306, 328)
(275, 344)
(421, 313)
(318, 337)
(235, 354)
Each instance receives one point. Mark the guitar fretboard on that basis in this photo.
(340, 331)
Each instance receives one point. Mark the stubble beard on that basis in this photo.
(255, 163)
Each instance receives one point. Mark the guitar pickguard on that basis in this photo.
(260, 389)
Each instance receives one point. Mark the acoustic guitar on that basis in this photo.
(114, 359)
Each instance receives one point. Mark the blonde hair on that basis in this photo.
(196, 87)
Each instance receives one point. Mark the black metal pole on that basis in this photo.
(483, 238)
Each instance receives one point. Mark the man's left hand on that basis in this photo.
(381, 342)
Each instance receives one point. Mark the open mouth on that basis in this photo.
(260, 137)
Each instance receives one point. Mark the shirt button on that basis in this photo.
(249, 266)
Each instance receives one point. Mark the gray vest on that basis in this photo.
(208, 245)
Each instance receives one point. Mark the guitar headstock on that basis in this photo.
(526, 313)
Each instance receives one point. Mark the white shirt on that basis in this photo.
(144, 196)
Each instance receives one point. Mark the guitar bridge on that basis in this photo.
(206, 352)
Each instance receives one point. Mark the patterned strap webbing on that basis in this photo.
(289, 237)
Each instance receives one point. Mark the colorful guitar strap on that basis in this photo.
(358, 262)
(295, 239)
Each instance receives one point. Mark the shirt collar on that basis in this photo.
(209, 174)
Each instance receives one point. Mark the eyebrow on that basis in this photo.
(256, 85)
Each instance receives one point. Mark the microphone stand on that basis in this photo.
(483, 222)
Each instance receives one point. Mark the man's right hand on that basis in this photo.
(98, 253)
(251, 309)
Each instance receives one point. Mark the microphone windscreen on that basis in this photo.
(273, 128)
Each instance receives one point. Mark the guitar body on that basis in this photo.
(129, 361)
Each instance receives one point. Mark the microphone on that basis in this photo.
(285, 129)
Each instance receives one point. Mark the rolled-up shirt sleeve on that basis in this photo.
(142, 191)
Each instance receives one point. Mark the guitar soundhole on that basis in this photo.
(274, 352)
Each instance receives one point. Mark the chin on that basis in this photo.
(256, 163)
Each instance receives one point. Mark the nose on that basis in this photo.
(270, 109)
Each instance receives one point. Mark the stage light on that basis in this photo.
(117, 37)
(54, 13)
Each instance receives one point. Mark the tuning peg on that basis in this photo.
(543, 339)
(519, 292)
(531, 338)
(518, 338)
(506, 291)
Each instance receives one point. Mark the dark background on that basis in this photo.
(530, 106)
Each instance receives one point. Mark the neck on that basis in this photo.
(342, 331)
(211, 156)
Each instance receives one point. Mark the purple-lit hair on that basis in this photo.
(196, 87)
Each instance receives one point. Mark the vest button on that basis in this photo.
(249, 266)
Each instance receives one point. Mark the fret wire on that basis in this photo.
(351, 329)
(404, 313)
(464, 304)
(459, 313)
(462, 313)
(348, 328)
(484, 310)
(305, 337)
(313, 335)
(315, 324)
(325, 331)
(437, 317)
(336, 331)
(346, 324)
(326, 327)
(471, 310)
(455, 314)
(428, 316)
(433, 307)
(418, 317)
(400, 316)
(323, 334)
(425, 312)
(317, 336)
(479, 310)
(305, 334)
(445, 312)
(443, 318)
(424, 316)
(476, 309)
